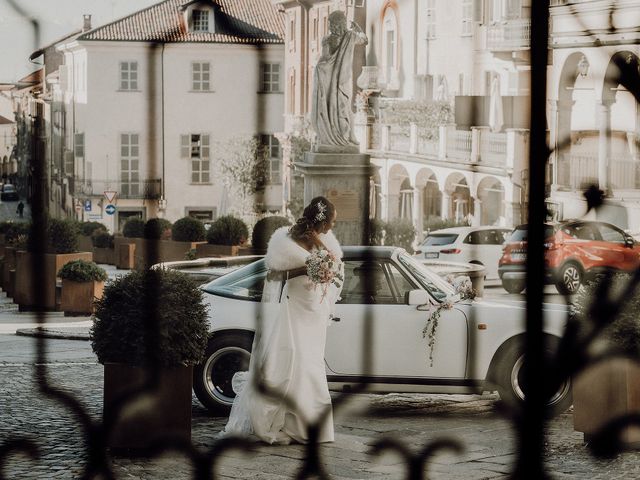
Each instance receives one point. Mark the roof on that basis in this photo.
(236, 21)
(33, 78)
(41, 50)
(5, 121)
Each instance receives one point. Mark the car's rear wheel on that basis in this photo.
(226, 354)
(569, 278)
(509, 377)
(513, 286)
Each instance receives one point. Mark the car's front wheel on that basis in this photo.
(513, 286)
(569, 278)
(226, 354)
(510, 380)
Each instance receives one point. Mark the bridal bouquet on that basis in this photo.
(323, 268)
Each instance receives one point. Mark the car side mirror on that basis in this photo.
(629, 242)
(418, 297)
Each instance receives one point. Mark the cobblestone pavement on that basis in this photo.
(488, 439)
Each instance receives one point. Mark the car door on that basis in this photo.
(618, 253)
(394, 336)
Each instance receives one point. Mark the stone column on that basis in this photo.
(418, 215)
(561, 141)
(446, 206)
(477, 212)
(344, 178)
(604, 146)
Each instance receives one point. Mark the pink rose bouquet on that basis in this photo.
(324, 269)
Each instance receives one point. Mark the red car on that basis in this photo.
(574, 251)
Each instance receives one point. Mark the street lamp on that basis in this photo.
(583, 67)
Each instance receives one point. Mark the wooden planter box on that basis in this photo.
(167, 412)
(251, 251)
(25, 294)
(104, 255)
(77, 297)
(606, 391)
(124, 249)
(167, 251)
(8, 264)
(85, 244)
(209, 250)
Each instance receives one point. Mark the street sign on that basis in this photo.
(87, 205)
(110, 195)
(110, 209)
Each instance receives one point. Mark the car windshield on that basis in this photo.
(520, 234)
(245, 283)
(436, 239)
(435, 285)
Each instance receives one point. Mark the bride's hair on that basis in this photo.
(318, 213)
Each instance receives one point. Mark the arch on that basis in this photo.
(396, 181)
(623, 69)
(491, 194)
(389, 41)
(460, 202)
(430, 195)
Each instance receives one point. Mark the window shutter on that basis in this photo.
(184, 146)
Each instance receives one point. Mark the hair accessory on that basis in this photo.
(320, 216)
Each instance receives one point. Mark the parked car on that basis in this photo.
(478, 345)
(574, 251)
(9, 192)
(479, 245)
(203, 270)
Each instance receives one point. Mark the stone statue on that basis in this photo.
(331, 115)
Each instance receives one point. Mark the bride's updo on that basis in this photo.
(316, 215)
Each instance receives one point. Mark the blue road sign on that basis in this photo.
(87, 205)
(110, 209)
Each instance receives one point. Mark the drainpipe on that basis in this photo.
(162, 188)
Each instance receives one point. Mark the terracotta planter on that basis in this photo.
(125, 255)
(25, 294)
(167, 251)
(251, 251)
(77, 297)
(211, 250)
(165, 412)
(606, 391)
(104, 255)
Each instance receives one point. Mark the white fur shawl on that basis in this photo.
(284, 254)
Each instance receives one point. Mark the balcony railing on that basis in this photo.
(143, 189)
(459, 144)
(576, 171)
(509, 35)
(493, 148)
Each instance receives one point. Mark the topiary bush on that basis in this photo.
(82, 271)
(102, 240)
(228, 230)
(264, 228)
(133, 228)
(62, 236)
(376, 232)
(188, 229)
(400, 232)
(119, 328)
(157, 229)
(89, 228)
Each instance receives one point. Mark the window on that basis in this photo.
(379, 282)
(270, 77)
(610, 234)
(431, 19)
(124, 215)
(128, 75)
(195, 147)
(467, 17)
(245, 283)
(200, 76)
(200, 20)
(129, 165)
(274, 155)
(202, 215)
(79, 145)
(390, 46)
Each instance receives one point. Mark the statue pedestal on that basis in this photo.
(344, 178)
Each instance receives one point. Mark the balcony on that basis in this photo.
(577, 171)
(477, 146)
(143, 189)
(509, 36)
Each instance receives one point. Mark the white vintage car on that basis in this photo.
(478, 344)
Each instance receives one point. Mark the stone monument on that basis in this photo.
(335, 167)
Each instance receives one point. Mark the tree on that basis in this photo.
(244, 166)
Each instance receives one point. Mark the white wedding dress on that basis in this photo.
(288, 354)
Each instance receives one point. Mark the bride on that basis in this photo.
(285, 389)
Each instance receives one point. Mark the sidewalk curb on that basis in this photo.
(49, 333)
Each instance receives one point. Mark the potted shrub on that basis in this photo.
(611, 387)
(188, 229)
(125, 246)
(82, 282)
(86, 232)
(262, 231)
(119, 337)
(224, 237)
(61, 248)
(103, 251)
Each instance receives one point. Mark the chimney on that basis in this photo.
(86, 22)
